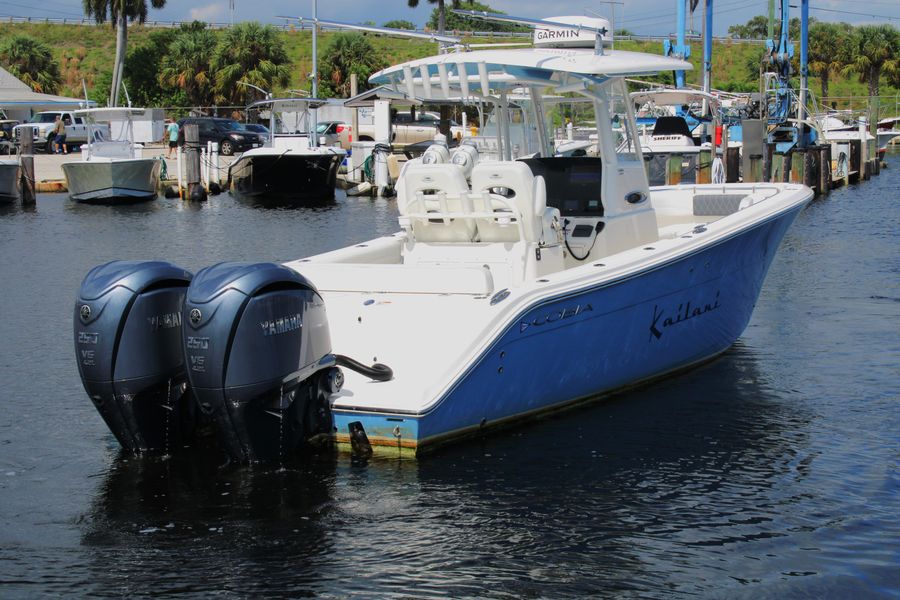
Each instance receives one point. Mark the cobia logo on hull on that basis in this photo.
(663, 319)
(555, 315)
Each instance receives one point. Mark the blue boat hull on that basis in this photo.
(597, 341)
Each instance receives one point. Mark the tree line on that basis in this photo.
(197, 66)
(869, 52)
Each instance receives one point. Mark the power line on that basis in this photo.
(847, 12)
(46, 10)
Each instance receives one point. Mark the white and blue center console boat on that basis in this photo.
(292, 165)
(513, 288)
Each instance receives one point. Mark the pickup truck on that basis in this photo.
(76, 129)
(404, 130)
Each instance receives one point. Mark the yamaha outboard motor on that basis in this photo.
(259, 360)
(128, 344)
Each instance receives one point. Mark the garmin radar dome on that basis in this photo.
(565, 37)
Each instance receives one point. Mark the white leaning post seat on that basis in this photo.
(427, 196)
(499, 186)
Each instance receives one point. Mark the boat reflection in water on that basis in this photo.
(651, 481)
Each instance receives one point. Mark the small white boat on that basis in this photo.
(513, 288)
(9, 180)
(887, 131)
(670, 123)
(112, 171)
(291, 165)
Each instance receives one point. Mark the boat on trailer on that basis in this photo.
(512, 289)
(291, 165)
(112, 171)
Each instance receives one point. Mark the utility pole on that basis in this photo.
(313, 135)
(707, 44)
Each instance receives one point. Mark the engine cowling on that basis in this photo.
(127, 327)
(258, 354)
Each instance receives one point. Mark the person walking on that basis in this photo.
(172, 134)
(59, 137)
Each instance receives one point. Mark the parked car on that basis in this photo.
(329, 132)
(43, 123)
(228, 133)
(404, 130)
(262, 130)
(6, 134)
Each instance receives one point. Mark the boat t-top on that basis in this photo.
(292, 165)
(512, 288)
(674, 122)
(112, 171)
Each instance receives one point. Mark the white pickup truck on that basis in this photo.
(43, 124)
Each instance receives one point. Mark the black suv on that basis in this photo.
(228, 133)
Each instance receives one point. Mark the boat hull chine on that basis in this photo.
(286, 176)
(112, 182)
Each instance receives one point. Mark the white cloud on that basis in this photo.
(209, 13)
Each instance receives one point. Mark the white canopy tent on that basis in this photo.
(19, 101)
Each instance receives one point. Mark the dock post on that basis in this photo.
(673, 169)
(864, 164)
(798, 162)
(810, 174)
(195, 189)
(215, 164)
(733, 164)
(856, 162)
(755, 173)
(704, 166)
(787, 163)
(768, 157)
(26, 167)
(354, 112)
(825, 169)
(178, 159)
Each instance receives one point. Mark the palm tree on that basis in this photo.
(871, 51)
(442, 20)
(824, 58)
(119, 13)
(31, 61)
(252, 53)
(186, 64)
(346, 54)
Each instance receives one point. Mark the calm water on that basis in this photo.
(771, 472)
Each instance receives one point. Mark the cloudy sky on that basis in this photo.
(641, 16)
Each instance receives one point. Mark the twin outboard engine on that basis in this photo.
(128, 344)
(258, 354)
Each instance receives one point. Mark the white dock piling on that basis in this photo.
(180, 172)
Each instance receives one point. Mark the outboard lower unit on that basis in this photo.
(258, 352)
(128, 344)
